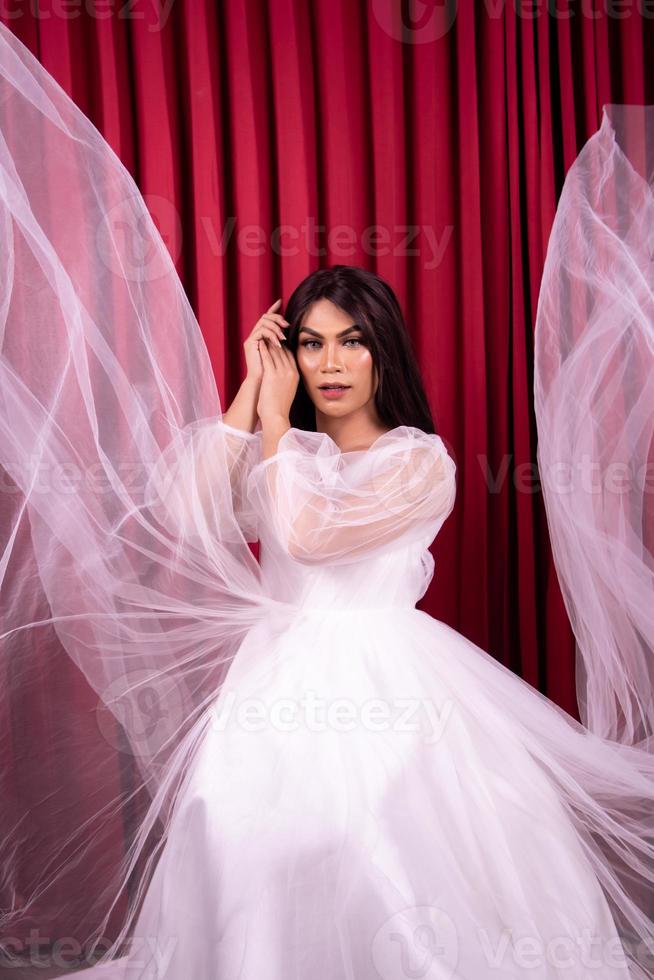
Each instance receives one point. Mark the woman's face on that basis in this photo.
(331, 350)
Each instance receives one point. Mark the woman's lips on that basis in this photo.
(333, 393)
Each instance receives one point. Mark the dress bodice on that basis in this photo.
(348, 529)
(342, 530)
(396, 577)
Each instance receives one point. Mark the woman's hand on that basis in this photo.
(267, 330)
(278, 384)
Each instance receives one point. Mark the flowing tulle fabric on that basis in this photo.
(127, 511)
(594, 403)
(103, 370)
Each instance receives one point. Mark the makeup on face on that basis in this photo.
(311, 342)
(335, 360)
(333, 392)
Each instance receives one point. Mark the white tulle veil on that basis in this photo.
(106, 391)
(594, 404)
(107, 396)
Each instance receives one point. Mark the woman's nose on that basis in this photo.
(330, 356)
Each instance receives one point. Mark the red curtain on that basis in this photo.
(426, 141)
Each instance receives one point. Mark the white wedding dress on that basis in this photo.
(373, 795)
(296, 774)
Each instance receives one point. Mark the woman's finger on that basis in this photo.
(264, 322)
(290, 357)
(268, 356)
(265, 332)
(275, 330)
(276, 318)
(276, 354)
(272, 321)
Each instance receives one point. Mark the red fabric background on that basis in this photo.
(434, 157)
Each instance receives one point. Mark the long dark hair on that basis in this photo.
(400, 398)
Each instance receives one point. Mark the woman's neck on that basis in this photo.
(351, 434)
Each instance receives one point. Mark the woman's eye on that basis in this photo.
(350, 340)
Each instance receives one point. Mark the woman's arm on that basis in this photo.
(242, 413)
(279, 381)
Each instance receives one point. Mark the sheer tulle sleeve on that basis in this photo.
(325, 506)
(244, 451)
(187, 490)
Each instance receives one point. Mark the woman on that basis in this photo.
(339, 785)
(372, 795)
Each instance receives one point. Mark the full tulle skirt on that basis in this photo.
(373, 795)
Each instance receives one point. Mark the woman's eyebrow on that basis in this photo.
(314, 333)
